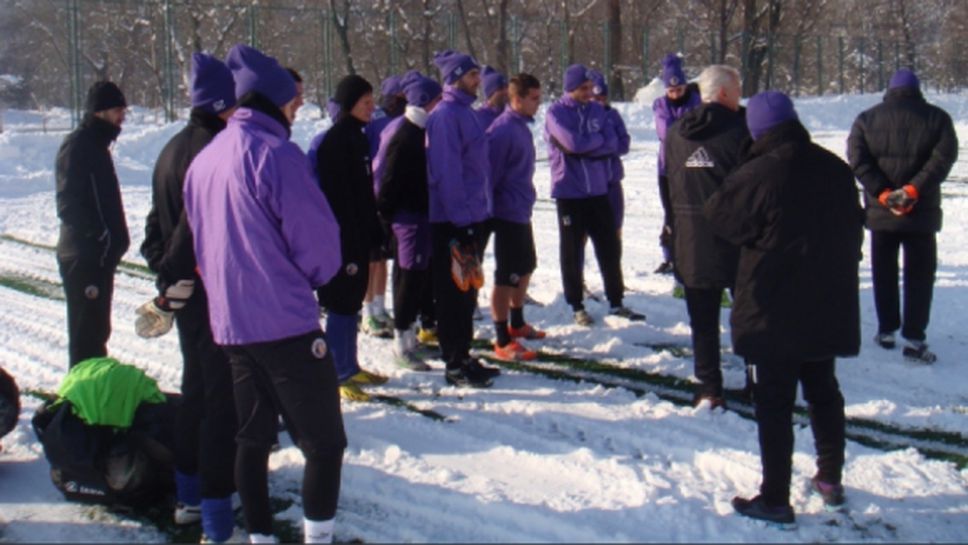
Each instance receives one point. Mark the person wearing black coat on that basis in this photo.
(793, 209)
(93, 230)
(701, 149)
(344, 174)
(901, 150)
(205, 420)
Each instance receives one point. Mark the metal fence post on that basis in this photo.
(394, 53)
(645, 57)
(607, 57)
(840, 61)
(820, 85)
(328, 53)
(769, 60)
(797, 46)
(73, 30)
(253, 28)
(897, 55)
(515, 44)
(880, 65)
(451, 31)
(565, 50)
(169, 61)
(712, 47)
(862, 47)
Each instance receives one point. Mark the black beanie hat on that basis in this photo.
(349, 91)
(104, 95)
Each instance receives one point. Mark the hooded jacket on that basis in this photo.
(512, 155)
(701, 149)
(903, 140)
(665, 112)
(264, 235)
(93, 227)
(580, 143)
(616, 170)
(793, 209)
(458, 170)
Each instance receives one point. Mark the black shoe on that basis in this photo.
(715, 401)
(780, 516)
(832, 494)
(885, 340)
(665, 268)
(917, 351)
(465, 376)
(478, 367)
(627, 313)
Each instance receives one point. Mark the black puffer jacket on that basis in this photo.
(903, 140)
(93, 227)
(701, 149)
(793, 208)
(168, 239)
(403, 188)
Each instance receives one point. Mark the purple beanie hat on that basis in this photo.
(213, 88)
(904, 78)
(422, 91)
(256, 72)
(598, 80)
(575, 75)
(767, 110)
(494, 81)
(672, 74)
(391, 86)
(454, 64)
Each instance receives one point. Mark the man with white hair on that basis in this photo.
(701, 149)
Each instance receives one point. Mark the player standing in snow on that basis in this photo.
(680, 97)
(793, 209)
(580, 142)
(512, 155)
(901, 150)
(495, 96)
(701, 149)
(616, 170)
(458, 175)
(403, 202)
(93, 230)
(376, 321)
(346, 179)
(264, 238)
(205, 422)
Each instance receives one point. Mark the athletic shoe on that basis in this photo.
(780, 516)
(187, 514)
(714, 401)
(832, 494)
(367, 378)
(514, 351)
(583, 318)
(352, 392)
(665, 268)
(627, 313)
(885, 340)
(467, 376)
(527, 331)
(478, 367)
(427, 336)
(410, 361)
(917, 351)
(238, 536)
(375, 327)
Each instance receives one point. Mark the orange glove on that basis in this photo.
(465, 269)
(902, 201)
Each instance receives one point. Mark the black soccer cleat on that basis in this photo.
(779, 516)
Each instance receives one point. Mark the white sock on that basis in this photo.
(262, 538)
(378, 305)
(318, 531)
(400, 344)
(411, 338)
(368, 309)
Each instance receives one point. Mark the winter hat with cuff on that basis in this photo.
(350, 90)
(453, 65)
(600, 87)
(767, 110)
(256, 72)
(104, 95)
(391, 86)
(213, 88)
(672, 74)
(904, 78)
(575, 75)
(494, 81)
(422, 91)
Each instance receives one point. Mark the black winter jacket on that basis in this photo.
(404, 184)
(88, 195)
(793, 208)
(168, 238)
(701, 149)
(903, 140)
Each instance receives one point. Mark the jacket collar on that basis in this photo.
(566, 100)
(264, 121)
(903, 93)
(791, 131)
(516, 115)
(206, 120)
(103, 132)
(416, 115)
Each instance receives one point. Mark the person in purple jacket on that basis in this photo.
(402, 200)
(680, 97)
(616, 170)
(495, 96)
(457, 183)
(264, 238)
(511, 149)
(581, 143)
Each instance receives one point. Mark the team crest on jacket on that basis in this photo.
(594, 125)
(700, 159)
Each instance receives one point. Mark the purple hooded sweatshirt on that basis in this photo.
(374, 129)
(667, 112)
(487, 114)
(582, 169)
(458, 169)
(265, 236)
(511, 149)
(379, 160)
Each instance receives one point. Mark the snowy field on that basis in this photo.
(597, 446)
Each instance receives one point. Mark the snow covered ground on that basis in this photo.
(538, 457)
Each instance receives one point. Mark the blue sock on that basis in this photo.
(187, 489)
(341, 338)
(218, 520)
